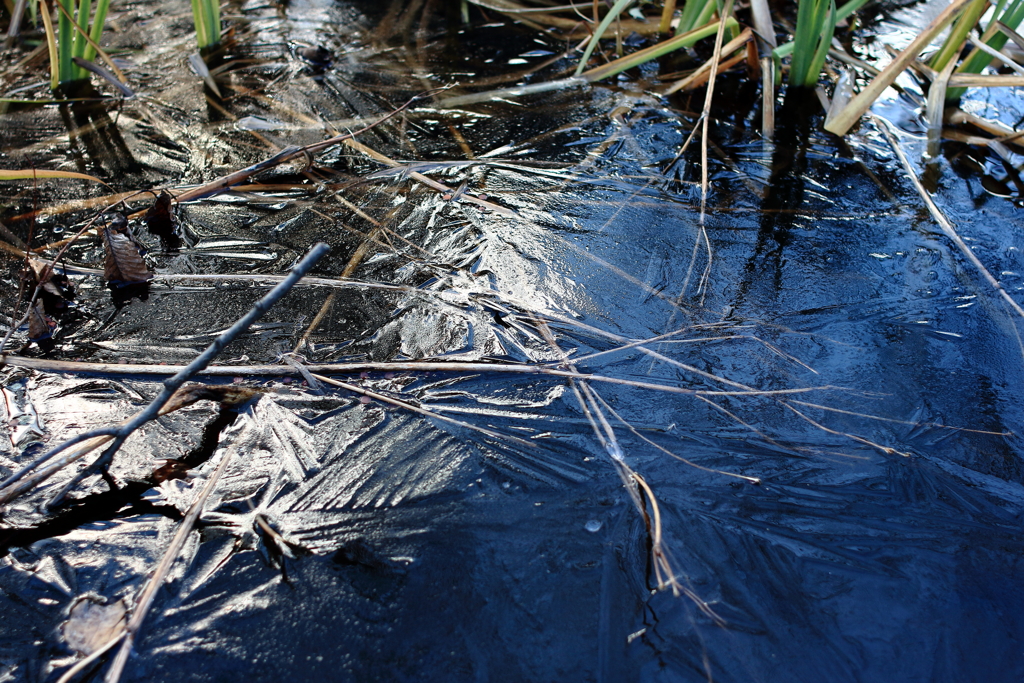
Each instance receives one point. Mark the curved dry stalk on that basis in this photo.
(888, 450)
(662, 559)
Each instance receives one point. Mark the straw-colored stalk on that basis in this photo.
(844, 120)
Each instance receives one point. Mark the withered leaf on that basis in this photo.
(124, 264)
(57, 288)
(223, 393)
(161, 223)
(40, 325)
(92, 624)
(159, 219)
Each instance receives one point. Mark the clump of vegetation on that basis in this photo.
(76, 39)
(73, 43)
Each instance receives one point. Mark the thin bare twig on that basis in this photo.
(399, 366)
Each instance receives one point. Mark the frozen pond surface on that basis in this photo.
(883, 540)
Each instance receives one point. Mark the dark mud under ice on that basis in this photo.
(418, 550)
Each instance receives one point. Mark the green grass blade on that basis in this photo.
(618, 8)
(79, 44)
(65, 40)
(695, 13)
(198, 17)
(958, 34)
(96, 30)
(807, 30)
(212, 25)
(663, 48)
(215, 6)
(849, 8)
(824, 42)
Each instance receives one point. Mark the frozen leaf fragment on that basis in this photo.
(57, 291)
(227, 394)
(124, 264)
(161, 223)
(40, 325)
(92, 624)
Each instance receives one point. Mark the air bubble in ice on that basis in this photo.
(615, 452)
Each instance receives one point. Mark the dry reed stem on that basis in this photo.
(846, 119)
(397, 366)
(995, 54)
(706, 113)
(936, 106)
(1002, 133)
(694, 81)
(985, 81)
